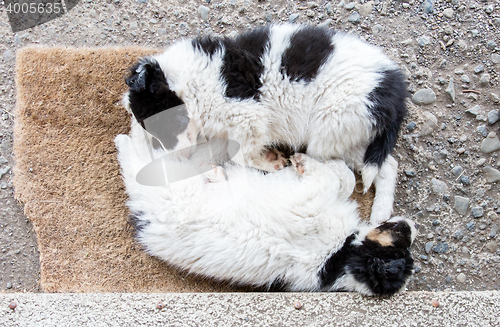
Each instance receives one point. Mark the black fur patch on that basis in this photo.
(136, 222)
(149, 93)
(400, 233)
(335, 266)
(309, 49)
(389, 110)
(208, 45)
(289, 151)
(242, 64)
(384, 269)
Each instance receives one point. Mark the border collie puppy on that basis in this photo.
(296, 227)
(325, 93)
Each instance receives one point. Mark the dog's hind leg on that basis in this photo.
(385, 187)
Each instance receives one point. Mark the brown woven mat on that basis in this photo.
(67, 176)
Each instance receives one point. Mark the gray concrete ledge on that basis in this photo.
(250, 309)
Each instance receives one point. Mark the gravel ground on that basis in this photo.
(448, 150)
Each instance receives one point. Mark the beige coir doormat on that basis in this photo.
(67, 176)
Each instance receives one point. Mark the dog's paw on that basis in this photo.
(215, 175)
(275, 159)
(302, 164)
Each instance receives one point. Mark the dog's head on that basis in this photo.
(376, 263)
(157, 107)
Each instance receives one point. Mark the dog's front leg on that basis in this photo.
(385, 186)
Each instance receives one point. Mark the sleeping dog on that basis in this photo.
(325, 93)
(296, 227)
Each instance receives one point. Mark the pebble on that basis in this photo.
(465, 79)
(428, 247)
(495, 58)
(492, 246)
(470, 226)
(133, 25)
(424, 40)
(450, 90)
(350, 5)
(461, 204)
(328, 8)
(461, 278)
(441, 248)
(293, 18)
(424, 96)
(354, 18)
(493, 116)
(465, 180)
(481, 162)
(489, 9)
(491, 44)
(3, 160)
(162, 31)
(479, 69)
(492, 175)
(4, 171)
(411, 126)
(8, 55)
(366, 8)
(477, 212)
(428, 7)
(459, 234)
(482, 130)
(410, 173)
(457, 170)
(485, 79)
(430, 125)
(491, 143)
(494, 230)
(3, 185)
(439, 187)
(474, 110)
(8, 286)
(448, 13)
(183, 29)
(203, 11)
(377, 29)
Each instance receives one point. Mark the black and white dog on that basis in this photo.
(305, 88)
(296, 227)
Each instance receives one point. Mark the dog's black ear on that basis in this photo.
(147, 75)
(384, 269)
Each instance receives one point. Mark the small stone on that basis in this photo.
(3, 185)
(424, 40)
(8, 286)
(470, 226)
(482, 130)
(495, 58)
(428, 7)
(459, 234)
(465, 180)
(4, 171)
(424, 257)
(297, 305)
(410, 173)
(461, 204)
(424, 96)
(328, 8)
(183, 29)
(477, 212)
(377, 29)
(354, 18)
(489, 9)
(411, 126)
(491, 143)
(481, 162)
(457, 170)
(203, 12)
(350, 5)
(493, 117)
(448, 13)
(450, 90)
(293, 18)
(485, 79)
(8, 55)
(153, 20)
(462, 45)
(492, 215)
(494, 230)
(3, 161)
(438, 186)
(465, 79)
(418, 269)
(441, 248)
(366, 8)
(492, 246)
(479, 69)
(12, 305)
(160, 305)
(435, 303)
(461, 278)
(428, 247)
(133, 25)
(162, 31)
(474, 110)
(491, 44)
(492, 175)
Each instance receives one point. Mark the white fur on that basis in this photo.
(329, 114)
(284, 227)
